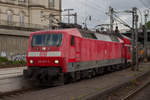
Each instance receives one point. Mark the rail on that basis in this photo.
(134, 92)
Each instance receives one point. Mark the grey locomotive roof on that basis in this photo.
(99, 36)
(103, 37)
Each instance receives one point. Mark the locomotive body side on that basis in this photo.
(94, 54)
(127, 49)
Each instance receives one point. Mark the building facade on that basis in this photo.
(19, 17)
(29, 13)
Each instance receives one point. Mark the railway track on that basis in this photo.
(31, 92)
(17, 92)
(14, 93)
(10, 95)
(13, 86)
(23, 88)
(136, 91)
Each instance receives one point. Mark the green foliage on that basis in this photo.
(3, 59)
(148, 24)
(18, 62)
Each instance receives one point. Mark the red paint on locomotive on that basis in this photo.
(75, 52)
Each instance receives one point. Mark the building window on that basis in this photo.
(21, 1)
(51, 3)
(9, 17)
(22, 18)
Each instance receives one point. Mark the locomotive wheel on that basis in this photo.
(117, 67)
(123, 66)
(109, 68)
(75, 76)
(113, 68)
(100, 71)
(90, 74)
(61, 80)
(67, 78)
(93, 73)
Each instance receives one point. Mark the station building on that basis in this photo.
(20, 17)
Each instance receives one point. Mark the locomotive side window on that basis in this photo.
(72, 41)
(129, 49)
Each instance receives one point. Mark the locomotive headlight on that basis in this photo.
(44, 48)
(31, 61)
(56, 61)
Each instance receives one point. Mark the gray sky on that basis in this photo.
(98, 8)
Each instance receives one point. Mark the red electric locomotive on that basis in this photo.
(73, 54)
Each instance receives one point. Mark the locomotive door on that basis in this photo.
(122, 51)
(78, 49)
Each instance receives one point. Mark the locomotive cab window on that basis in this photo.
(72, 42)
(46, 40)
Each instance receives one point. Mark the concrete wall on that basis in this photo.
(13, 44)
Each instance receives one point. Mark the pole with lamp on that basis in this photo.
(85, 21)
(68, 10)
(145, 35)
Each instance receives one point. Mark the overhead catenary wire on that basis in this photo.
(97, 13)
(127, 20)
(94, 7)
(101, 6)
(90, 8)
(121, 21)
(145, 5)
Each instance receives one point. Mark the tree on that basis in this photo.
(148, 24)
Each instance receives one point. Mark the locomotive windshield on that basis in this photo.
(46, 40)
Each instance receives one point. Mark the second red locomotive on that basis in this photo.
(73, 54)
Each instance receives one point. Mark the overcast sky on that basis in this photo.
(98, 8)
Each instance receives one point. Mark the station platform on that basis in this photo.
(11, 79)
(11, 72)
(85, 89)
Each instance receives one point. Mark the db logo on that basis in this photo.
(43, 53)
